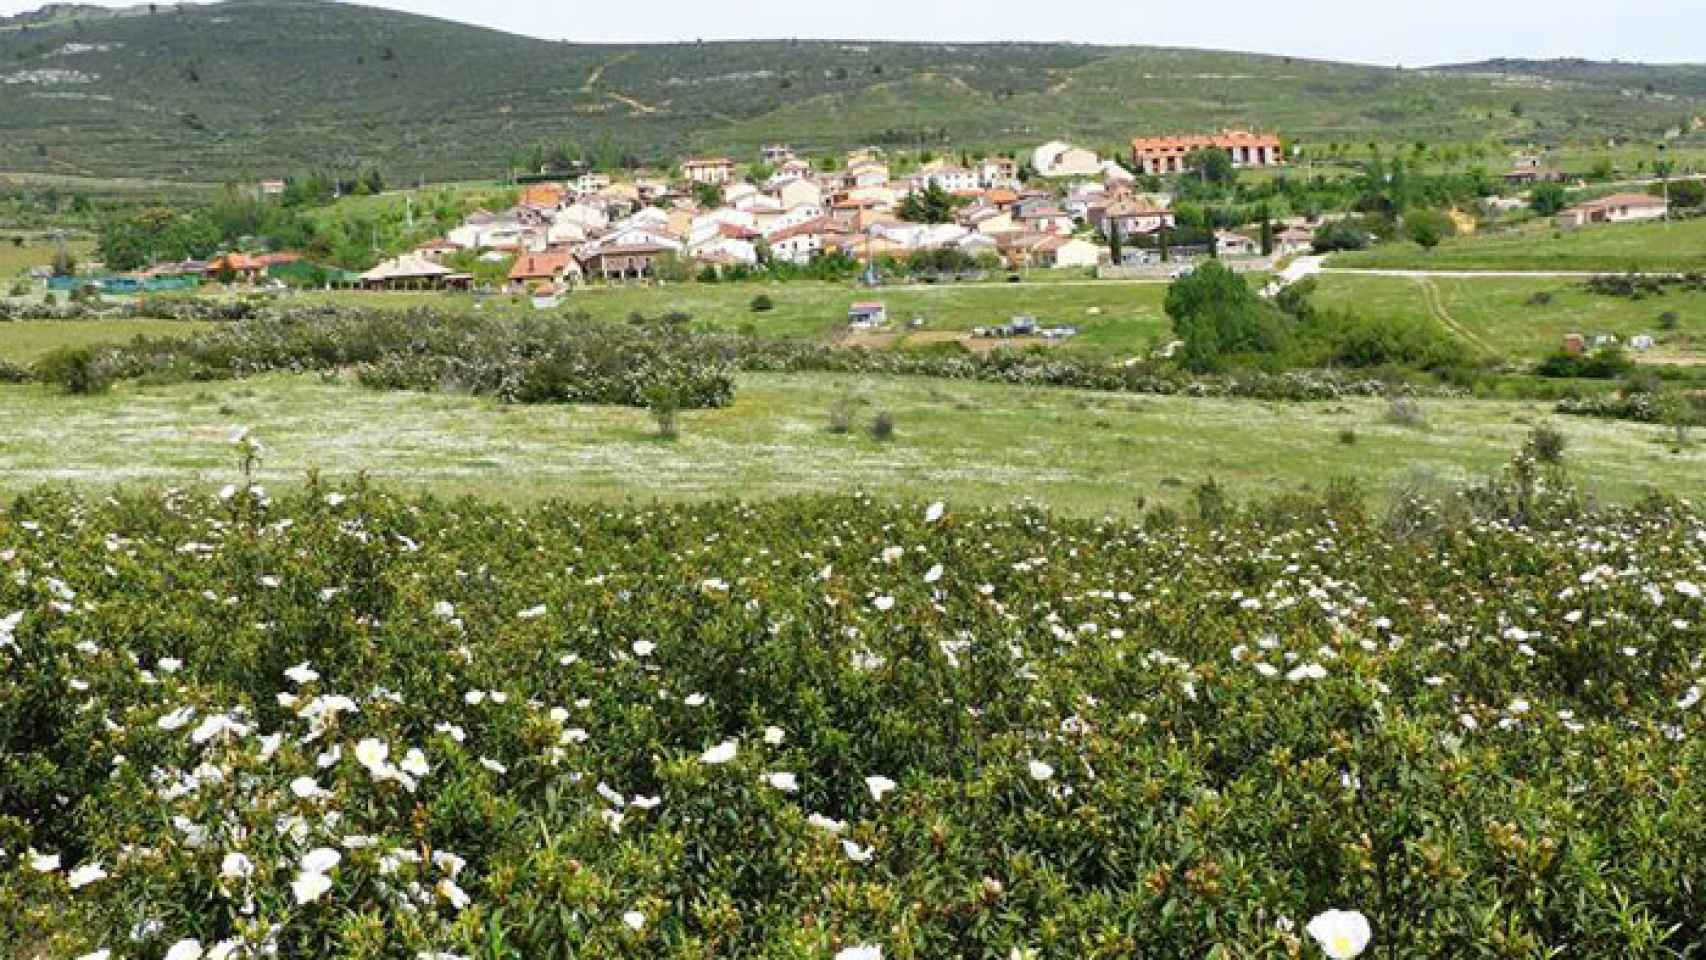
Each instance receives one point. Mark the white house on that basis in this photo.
(800, 243)
(998, 173)
(1058, 159)
(953, 179)
(1617, 208)
(1066, 253)
(798, 192)
(711, 170)
(721, 249)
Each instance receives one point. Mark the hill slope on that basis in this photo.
(251, 88)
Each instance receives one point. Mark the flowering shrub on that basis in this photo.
(577, 360)
(348, 724)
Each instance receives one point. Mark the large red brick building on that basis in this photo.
(1159, 155)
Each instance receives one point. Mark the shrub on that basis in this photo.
(1669, 320)
(1547, 444)
(1348, 436)
(1542, 298)
(882, 425)
(664, 402)
(841, 414)
(77, 370)
(762, 303)
(1405, 411)
(1606, 364)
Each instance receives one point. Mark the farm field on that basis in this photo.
(1502, 316)
(1612, 248)
(1080, 452)
(25, 341)
(1131, 318)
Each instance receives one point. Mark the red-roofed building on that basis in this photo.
(1158, 155)
(552, 268)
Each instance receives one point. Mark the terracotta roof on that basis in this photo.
(1185, 144)
(1621, 200)
(534, 266)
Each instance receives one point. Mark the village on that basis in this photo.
(1073, 210)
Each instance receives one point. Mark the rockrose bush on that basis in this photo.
(575, 359)
(346, 724)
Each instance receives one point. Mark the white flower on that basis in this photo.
(1040, 771)
(236, 866)
(861, 952)
(85, 875)
(773, 736)
(321, 860)
(884, 603)
(695, 700)
(301, 675)
(228, 491)
(856, 853)
(415, 763)
(44, 862)
(878, 787)
(493, 765)
(785, 782)
(97, 955)
(720, 754)
(306, 789)
(532, 613)
(644, 648)
(372, 754)
(224, 949)
(634, 919)
(825, 824)
(309, 887)
(1342, 934)
(335, 499)
(184, 950)
(934, 512)
(1308, 671)
(177, 719)
(933, 574)
(1690, 698)
(456, 896)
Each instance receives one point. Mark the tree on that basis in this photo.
(930, 205)
(1426, 228)
(1267, 232)
(1216, 314)
(1688, 193)
(1547, 199)
(1161, 241)
(1116, 247)
(64, 264)
(708, 195)
(1213, 166)
(1341, 235)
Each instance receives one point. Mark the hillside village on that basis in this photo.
(1064, 213)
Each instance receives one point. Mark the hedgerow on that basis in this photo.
(350, 724)
(576, 359)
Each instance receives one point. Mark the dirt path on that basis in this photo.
(1436, 306)
(630, 101)
(598, 72)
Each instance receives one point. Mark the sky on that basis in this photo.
(1408, 32)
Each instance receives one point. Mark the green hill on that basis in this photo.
(255, 88)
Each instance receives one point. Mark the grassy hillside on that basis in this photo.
(252, 88)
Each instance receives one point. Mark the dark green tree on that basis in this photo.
(1212, 166)
(1216, 314)
(1547, 199)
(930, 205)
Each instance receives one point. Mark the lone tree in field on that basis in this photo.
(1116, 246)
(1216, 314)
(1547, 199)
(1426, 228)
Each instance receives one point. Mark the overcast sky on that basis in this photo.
(1411, 32)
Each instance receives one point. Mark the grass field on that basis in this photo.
(1498, 313)
(26, 340)
(1130, 314)
(1076, 451)
(1677, 246)
(16, 258)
